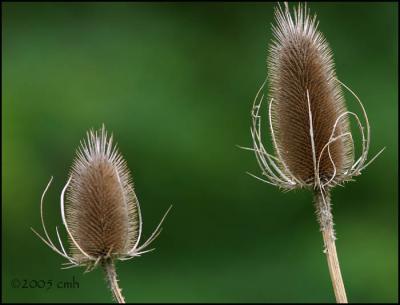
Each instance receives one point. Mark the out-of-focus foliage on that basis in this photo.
(175, 84)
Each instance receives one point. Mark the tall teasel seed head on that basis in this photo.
(307, 116)
(101, 213)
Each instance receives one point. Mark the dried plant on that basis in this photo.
(102, 214)
(309, 123)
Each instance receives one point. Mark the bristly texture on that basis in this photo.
(101, 205)
(309, 123)
(300, 61)
(102, 215)
(308, 119)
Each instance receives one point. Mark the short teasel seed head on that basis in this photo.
(101, 205)
(307, 115)
(101, 213)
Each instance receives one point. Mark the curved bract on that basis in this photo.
(307, 116)
(100, 211)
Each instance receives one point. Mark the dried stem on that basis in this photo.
(323, 208)
(109, 268)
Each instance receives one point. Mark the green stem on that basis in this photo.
(111, 274)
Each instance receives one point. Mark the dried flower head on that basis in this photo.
(101, 213)
(308, 119)
(309, 123)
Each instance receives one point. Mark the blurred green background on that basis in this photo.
(175, 84)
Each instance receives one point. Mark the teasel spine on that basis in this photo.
(103, 219)
(308, 121)
(322, 199)
(112, 279)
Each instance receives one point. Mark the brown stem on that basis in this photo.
(109, 268)
(325, 218)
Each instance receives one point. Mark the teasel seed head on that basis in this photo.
(309, 123)
(307, 115)
(101, 213)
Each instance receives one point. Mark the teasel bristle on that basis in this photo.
(307, 115)
(101, 213)
(302, 86)
(308, 122)
(101, 205)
